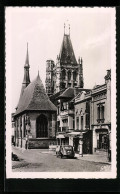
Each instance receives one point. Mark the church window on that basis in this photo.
(63, 74)
(69, 75)
(74, 75)
(63, 85)
(42, 126)
(24, 131)
(69, 85)
(75, 84)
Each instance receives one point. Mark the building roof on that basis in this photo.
(35, 98)
(72, 92)
(67, 53)
(68, 93)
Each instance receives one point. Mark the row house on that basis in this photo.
(92, 116)
(66, 115)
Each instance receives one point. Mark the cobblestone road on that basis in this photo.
(43, 160)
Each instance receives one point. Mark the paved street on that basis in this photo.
(38, 160)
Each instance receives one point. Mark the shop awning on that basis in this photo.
(75, 133)
(60, 136)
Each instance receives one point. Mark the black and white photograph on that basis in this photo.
(60, 92)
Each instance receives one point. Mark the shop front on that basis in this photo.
(81, 141)
(102, 138)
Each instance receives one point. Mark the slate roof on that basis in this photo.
(72, 92)
(35, 98)
(68, 93)
(67, 53)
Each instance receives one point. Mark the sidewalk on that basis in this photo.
(100, 157)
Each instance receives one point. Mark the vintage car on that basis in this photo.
(65, 150)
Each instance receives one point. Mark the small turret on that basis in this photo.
(81, 83)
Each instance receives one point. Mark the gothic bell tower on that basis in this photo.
(67, 71)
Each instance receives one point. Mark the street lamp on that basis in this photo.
(81, 144)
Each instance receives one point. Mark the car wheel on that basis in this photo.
(61, 155)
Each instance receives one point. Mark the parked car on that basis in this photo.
(14, 157)
(65, 150)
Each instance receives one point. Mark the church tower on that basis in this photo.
(67, 72)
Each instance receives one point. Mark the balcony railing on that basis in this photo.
(66, 112)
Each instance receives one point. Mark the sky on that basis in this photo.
(91, 32)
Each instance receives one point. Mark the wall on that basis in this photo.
(33, 116)
(80, 111)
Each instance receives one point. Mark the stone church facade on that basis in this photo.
(35, 116)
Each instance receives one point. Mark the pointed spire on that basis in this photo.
(27, 58)
(26, 79)
(69, 29)
(79, 60)
(64, 28)
(38, 76)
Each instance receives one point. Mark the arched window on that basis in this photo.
(69, 75)
(74, 75)
(63, 74)
(41, 126)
